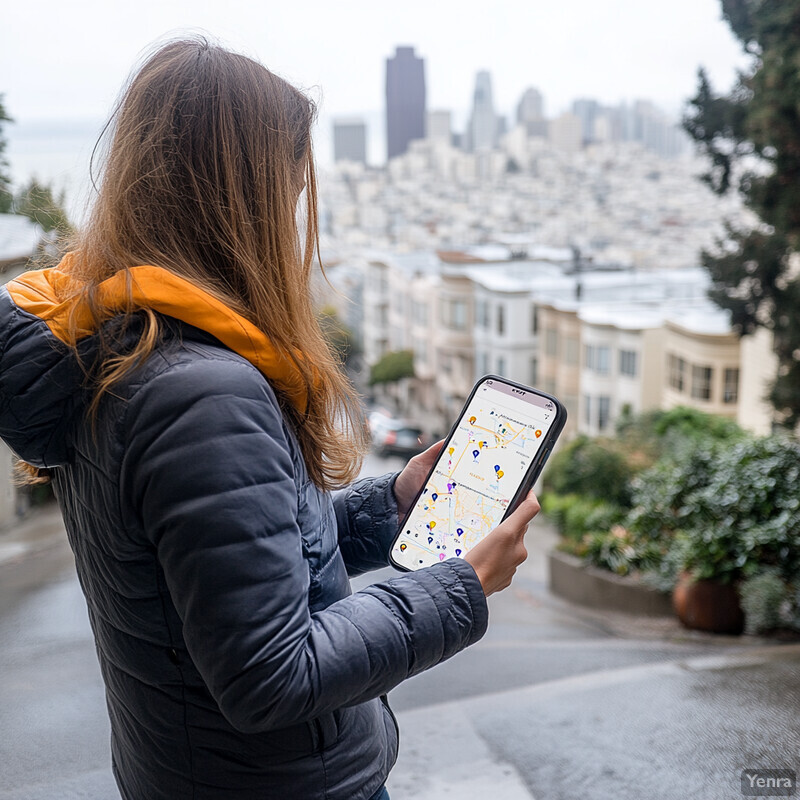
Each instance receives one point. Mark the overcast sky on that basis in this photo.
(68, 60)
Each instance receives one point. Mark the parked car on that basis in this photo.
(391, 436)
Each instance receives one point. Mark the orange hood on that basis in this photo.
(48, 295)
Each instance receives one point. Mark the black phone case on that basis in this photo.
(530, 477)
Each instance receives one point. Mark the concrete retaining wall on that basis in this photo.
(598, 588)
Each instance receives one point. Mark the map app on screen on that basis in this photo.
(477, 474)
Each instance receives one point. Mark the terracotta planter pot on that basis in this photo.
(708, 606)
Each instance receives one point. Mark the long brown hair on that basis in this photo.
(207, 157)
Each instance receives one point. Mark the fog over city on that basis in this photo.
(73, 61)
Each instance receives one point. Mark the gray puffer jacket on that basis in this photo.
(237, 662)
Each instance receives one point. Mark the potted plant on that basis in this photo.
(743, 523)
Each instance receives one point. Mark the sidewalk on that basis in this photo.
(669, 730)
(556, 702)
(43, 528)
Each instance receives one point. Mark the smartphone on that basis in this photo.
(490, 460)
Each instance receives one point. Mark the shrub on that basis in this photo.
(748, 516)
(683, 423)
(762, 597)
(662, 496)
(575, 516)
(591, 468)
(555, 507)
(736, 505)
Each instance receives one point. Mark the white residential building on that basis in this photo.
(605, 343)
(621, 364)
(505, 331)
(376, 310)
(703, 361)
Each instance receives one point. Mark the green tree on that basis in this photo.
(5, 176)
(392, 367)
(751, 138)
(37, 202)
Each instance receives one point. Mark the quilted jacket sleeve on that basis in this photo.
(208, 471)
(366, 515)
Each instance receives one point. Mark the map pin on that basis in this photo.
(497, 468)
(472, 420)
(441, 556)
(459, 531)
(432, 525)
(403, 547)
(430, 540)
(451, 450)
(500, 473)
(458, 552)
(538, 433)
(475, 453)
(434, 496)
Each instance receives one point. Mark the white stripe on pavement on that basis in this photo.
(442, 756)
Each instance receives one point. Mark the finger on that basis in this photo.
(435, 448)
(431, 453)
(524, 512)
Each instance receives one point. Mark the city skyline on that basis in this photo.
(406, 117)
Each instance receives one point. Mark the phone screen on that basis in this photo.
(477, 475)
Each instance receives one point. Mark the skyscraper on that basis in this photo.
(530, 113)
(587, 110)
(531, 106)
(350, 140)
(405, 100)
(483, 122)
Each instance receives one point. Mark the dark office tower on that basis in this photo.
(405, 101)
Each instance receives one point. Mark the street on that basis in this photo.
(555, 702)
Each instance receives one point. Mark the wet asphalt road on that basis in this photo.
(553, 703)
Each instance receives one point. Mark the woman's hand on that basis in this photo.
(496, 557)
(410, 480)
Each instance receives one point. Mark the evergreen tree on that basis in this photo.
(37, 202)
(751, 138)
(5, 176)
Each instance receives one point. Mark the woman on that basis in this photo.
(170, 379)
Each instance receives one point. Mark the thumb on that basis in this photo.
(524, 512)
